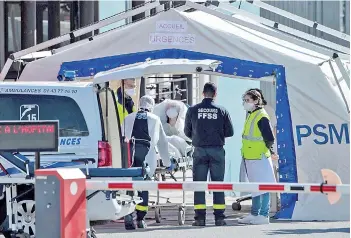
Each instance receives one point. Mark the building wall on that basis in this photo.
(328, 13)
(347, 17)
(2, 36)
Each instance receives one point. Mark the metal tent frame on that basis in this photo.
(214, 8)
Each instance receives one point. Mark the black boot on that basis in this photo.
(220, 222)
(129, 222)
(199, 223)
(141, 224)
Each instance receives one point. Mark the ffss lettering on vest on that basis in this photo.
(207, 113)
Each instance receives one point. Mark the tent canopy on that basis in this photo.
(312, 120)
(198, 31)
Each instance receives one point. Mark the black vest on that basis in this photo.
(140, 129)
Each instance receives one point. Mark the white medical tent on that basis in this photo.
(312, 113)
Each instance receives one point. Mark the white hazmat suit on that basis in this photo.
(172, 114)
(156, 133)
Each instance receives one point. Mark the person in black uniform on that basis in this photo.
(146, 133)
(208, 124)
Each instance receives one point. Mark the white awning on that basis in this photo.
(159, 66)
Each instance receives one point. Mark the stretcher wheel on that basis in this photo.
(91, 233)
(158, 214)
(236, 206)
(181, 216)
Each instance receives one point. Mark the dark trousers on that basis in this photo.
(209, 159)
(139, 158)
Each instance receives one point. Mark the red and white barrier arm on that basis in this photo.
(219, 187)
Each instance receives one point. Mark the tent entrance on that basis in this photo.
(225, 67)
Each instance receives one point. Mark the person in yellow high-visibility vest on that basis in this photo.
(257, 153)
(129, 92)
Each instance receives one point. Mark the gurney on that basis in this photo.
(17, 188)
(183, 164)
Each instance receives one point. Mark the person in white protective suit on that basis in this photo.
(145, 132)
(172, 114)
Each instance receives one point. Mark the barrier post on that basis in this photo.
(60, 203)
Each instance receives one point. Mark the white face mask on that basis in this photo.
(130, 92)
(249, 106)
(172, 112)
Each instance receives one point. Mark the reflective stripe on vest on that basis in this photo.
(254, 146)
(252, 125)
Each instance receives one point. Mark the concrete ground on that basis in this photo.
(169, 223)
(169, 228)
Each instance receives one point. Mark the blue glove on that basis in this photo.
(172, 167)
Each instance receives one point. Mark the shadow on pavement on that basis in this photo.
(308, 231)
(162, 227)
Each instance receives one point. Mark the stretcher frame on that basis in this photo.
(183, 164)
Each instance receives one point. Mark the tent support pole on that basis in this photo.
(337, 82)
(341, 67)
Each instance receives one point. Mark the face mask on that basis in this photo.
(172, 112)
(249, 106)
(130, 92)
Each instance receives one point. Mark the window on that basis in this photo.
(45, 107)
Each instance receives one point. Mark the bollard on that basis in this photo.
(60, 203)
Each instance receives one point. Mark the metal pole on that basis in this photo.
(142, 87)
(37, 160)
(86, 13)
(39, 23)
(96, 15)
(189, 89)
(343, 72)
(53, 21)
(28, 24)
(340, 89)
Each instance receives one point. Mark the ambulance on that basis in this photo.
(88, 128)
